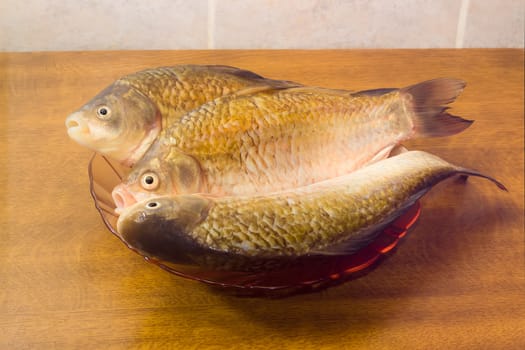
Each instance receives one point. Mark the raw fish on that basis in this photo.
(124, 119)
(337, 216)
(280, 139)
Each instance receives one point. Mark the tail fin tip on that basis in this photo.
(466, 172)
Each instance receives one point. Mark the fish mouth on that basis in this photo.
(77, 128)
(122, 198)
(122, 225)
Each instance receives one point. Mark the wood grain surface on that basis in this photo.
(457, 280)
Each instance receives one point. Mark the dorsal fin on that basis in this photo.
(374, 92)
(321, 90)
(261, 82)
(268, 85)
(241, 73)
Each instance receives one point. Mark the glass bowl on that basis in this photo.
(277, 277)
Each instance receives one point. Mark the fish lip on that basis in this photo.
(119, 210)
(77, 127)
(120, 220)
(120, 226)
(123, 199)
(77, 131)
(132, 212)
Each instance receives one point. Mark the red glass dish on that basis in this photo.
(286, 277)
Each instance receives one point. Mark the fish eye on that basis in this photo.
(103, 112)
(152, 205)
(149, 181)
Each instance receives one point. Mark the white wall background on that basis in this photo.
(40, 25)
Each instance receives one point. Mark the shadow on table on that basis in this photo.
(428, 263)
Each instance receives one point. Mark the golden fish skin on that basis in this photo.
(125, 118)
(275, 140)
(336, 216)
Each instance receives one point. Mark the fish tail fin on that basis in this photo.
(428, 102)
(465, 173)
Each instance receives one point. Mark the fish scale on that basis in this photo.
(337, 216)
(137, 108)
(274, 139)
(322, 214)
(283, 135)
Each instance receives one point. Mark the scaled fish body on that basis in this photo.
(275, 140)
(336, 216)
(125, 118)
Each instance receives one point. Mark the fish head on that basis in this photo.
(162, 171)
(161, 227)
(120, 122)
(149, 178)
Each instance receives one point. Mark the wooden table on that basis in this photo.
(457, 281)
